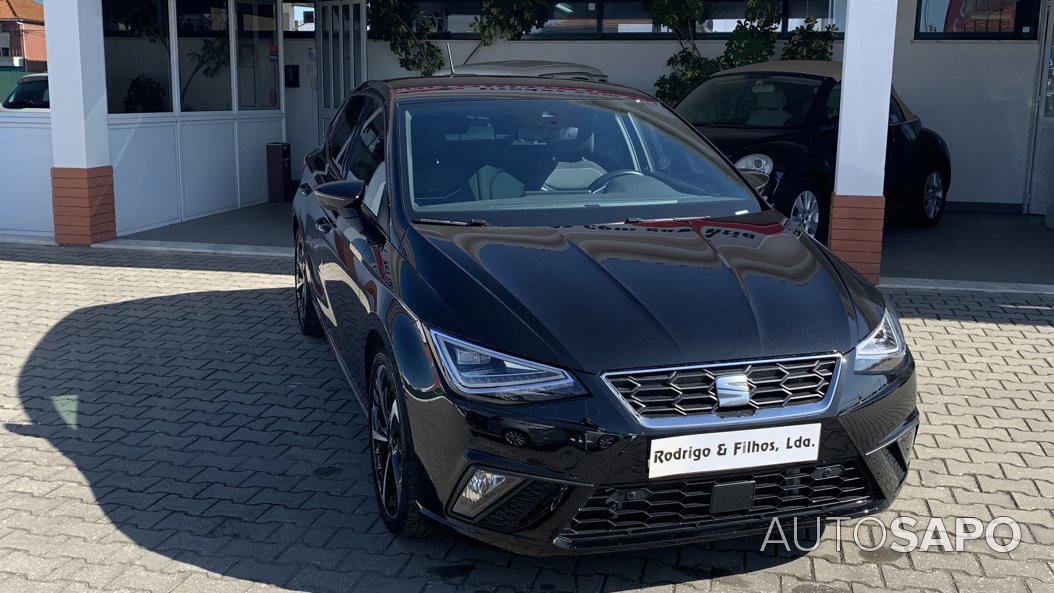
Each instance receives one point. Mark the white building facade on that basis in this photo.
(162, 114)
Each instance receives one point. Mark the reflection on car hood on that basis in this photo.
(737, 142)
(606, 297)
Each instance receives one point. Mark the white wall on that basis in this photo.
(144, 153)
(25, 168)
(301, 103)
(979, 96)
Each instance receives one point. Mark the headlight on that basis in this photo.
(759, 163)
(883, 349)
(475, 370)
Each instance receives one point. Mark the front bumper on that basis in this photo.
(584, 465)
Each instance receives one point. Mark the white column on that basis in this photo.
(77, 83)
(867, 74)
(858, 206)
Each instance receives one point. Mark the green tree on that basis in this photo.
(753, 40)
(807, 42)
(406, 30)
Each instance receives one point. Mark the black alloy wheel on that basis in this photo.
(933, 196)
(394, 467)
(306, 316)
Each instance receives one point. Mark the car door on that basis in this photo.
(317, 223)
(357, 240)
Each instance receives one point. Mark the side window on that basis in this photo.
(341, 128)
(834, 102)
(366, 149)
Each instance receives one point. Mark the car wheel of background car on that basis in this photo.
(394, 467)
(934, 194)
(808, 206)
(306, 316)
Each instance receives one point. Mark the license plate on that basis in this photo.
(734, 449)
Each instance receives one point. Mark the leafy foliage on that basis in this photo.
(807, 42)
(752, 41)
(407, 31)
(509, 19)
(145, 95)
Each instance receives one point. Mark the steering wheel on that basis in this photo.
(601, 182)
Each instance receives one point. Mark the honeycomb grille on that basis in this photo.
(687, 392)
(638, 509)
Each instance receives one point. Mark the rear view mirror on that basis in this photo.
(757, 180)
(338, 195)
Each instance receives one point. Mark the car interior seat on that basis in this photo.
(771, 110)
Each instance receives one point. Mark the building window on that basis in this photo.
(977, 19)
(451, 19)
(204, 55)
(257, 55)
(629, 18)
(568, 20)
(298, 19)
(138, 68)
(826, 13)
(721, 17)
(606, 19)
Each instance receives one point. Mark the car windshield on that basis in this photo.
(555, 161)
(751, 101)
(30, 94)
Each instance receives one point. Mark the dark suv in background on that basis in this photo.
(574, 327)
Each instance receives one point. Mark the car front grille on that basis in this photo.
(690, 391)
(614, 512)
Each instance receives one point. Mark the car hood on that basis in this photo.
(736, 143)
(605, 297)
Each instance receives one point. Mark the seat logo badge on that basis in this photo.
(733, 390)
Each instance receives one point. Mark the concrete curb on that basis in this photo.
(964, 285)
(206, 248)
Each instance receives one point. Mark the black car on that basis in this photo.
(574, 327)
(781, 119)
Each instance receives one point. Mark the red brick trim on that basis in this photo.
(83, 205)
(856, 232)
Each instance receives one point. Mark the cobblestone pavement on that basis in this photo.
(163, 427)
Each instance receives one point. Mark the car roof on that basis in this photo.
(527, 68)
(808, 67)
(826, 69)
(467, 84)
(32, 77)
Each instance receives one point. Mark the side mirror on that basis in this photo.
(758, 180)
(338, 195)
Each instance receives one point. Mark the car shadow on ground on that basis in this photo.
(211, 432)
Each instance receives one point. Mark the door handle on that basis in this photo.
(323, 225)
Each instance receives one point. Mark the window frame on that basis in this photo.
(1036, 7)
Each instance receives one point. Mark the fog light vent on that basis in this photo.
(483, 488)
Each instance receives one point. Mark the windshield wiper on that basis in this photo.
(473, 222)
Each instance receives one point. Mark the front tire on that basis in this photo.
(393, 465)
(931, 198)
(807, 205)
(306, 315)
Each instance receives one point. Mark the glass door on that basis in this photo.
(340, 34)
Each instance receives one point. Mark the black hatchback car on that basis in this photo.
(574, 327)
(781, 119)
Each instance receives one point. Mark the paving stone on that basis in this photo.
(191, 414)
